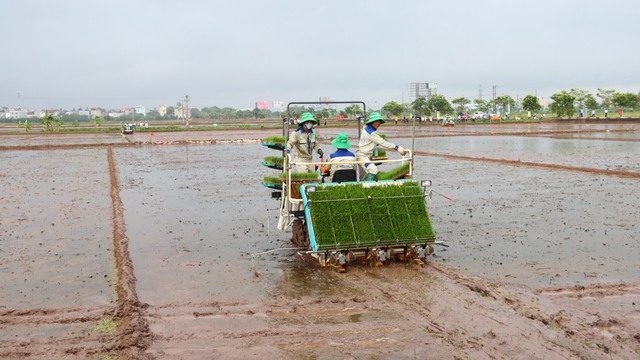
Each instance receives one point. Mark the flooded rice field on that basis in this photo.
(166, 247)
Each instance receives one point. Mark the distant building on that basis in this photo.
(140, 109)
(18, 113)
(181, 112)
(544, 103)
(162, 110)
(43, 113)
(95, 112)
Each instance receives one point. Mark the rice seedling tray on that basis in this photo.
(274, 142)
(353, 216)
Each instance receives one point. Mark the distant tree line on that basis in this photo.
(566, 103)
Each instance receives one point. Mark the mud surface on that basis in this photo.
(160, 247)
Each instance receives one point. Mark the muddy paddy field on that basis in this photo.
(143, 247)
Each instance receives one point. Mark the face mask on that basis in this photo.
(308, 125)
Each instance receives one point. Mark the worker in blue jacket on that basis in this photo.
(337, 159)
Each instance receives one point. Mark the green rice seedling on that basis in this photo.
(363, 228)
(343, 229)
(323, 226)
(400, 216)
(321, 217)
(417, 209)
(299, 176)
(278, 160)
(354, 214)
(359, 203)
(338, 206)
(274, 139)
(402, 229)
(272, 180)
(382, 227)
(394, 173)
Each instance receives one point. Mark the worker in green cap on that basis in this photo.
(339, 157)
(368, 142)
(304, 141)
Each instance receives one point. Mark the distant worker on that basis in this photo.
(337, 159)
(368, 142)
(304, 141)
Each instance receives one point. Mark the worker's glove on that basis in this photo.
(320, 152)
(401, 150)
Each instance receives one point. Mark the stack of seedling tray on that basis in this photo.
(273, 162)
(373, 214)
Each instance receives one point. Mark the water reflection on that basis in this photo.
(619, 155)
(304, 277)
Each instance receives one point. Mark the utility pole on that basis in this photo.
(187, 101)
(494, 98)
(185, 110)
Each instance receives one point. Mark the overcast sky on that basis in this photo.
(121, 53)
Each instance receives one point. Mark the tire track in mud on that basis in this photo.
(483, 321)
(134, 335)
(618, 173)
(417, 300)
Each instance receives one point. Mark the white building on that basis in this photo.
(140, 109)
(18, 113)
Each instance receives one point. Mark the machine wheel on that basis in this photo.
(300, 234)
